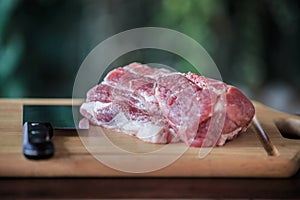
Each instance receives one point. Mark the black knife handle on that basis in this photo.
(37, 142)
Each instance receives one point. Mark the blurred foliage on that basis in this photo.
(11, 49)
(243, 37)
(43, 42)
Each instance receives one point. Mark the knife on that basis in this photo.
(59, 116)
(38, 124)
(264, 139)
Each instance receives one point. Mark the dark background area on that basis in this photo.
(255, 44)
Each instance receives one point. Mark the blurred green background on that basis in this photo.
(255, 44)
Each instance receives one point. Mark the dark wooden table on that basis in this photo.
(89, 188)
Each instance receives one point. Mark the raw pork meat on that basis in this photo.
(160, 106)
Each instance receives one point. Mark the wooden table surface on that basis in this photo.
(200, 188)
(147, 187)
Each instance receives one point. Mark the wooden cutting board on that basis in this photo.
(243, 157)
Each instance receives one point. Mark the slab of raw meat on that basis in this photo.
(160, 106)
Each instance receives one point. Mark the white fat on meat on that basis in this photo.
(145, 131)
(227, 137)
(90, 108)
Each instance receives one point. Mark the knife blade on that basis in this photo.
(59, 116)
